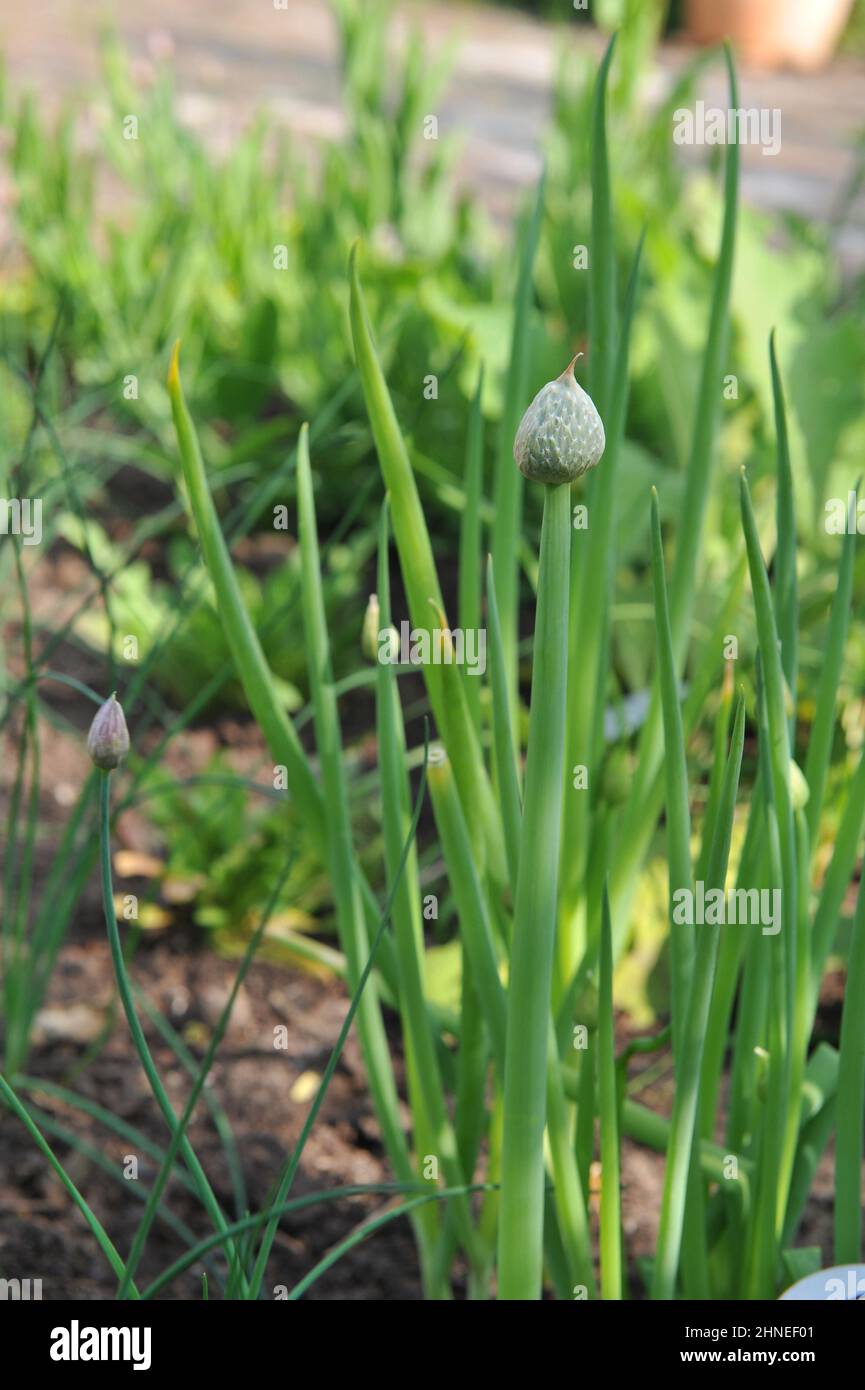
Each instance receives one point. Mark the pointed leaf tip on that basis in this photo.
(174, 367)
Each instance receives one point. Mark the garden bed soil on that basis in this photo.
(265, 1092)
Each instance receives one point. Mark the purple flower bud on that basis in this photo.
(108, 740)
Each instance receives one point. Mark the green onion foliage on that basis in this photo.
(521, 1099)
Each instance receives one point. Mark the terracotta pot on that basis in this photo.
(771, 33)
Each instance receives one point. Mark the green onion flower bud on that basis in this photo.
(369, 631)
(617, 777)
(799, 789)
(108, 740)
(561, 436)
(587, 1005)
(378, 643)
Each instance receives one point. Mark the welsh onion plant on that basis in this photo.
(493, 1169)
(728, 1216)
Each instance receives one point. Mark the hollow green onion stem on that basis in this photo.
(611, 1206)
(522, 1202)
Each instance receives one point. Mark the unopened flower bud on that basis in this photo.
(108, 740)
(369, 631)
(586, 1007)
(561, 436)
(799, 789)
(617, 777)
(378, 643)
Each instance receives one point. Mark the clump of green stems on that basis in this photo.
(511, 1091)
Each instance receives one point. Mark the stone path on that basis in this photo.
(232, 56)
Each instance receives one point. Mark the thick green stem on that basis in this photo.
(611, 1205)
(521, 1229)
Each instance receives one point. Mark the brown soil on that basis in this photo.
(43, 1235)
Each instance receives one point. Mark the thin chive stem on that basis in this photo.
(276, 1210)
(103, 1239)
(200, 1078)
(205, 1191)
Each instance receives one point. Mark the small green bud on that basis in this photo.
(108, 739)
(369, 631)
(617, 777)
(587, 1005)
(561, 436)
(378, 643)
(761, 1073)
(799, 789)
